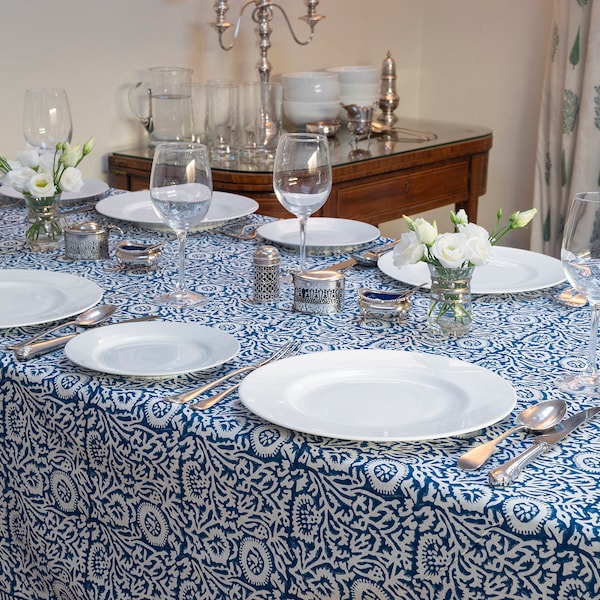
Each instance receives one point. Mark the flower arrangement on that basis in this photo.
(41, 178)
(45, 175)
(451, 258)
(469, 245)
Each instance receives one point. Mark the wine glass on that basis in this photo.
(46, 118)
(181, 192)
(580, 255)
(302, 178)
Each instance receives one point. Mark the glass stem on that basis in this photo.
(180, 285)
(302, 220)
(591, 369)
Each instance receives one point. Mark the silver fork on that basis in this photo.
(247, 232)
(286, 350)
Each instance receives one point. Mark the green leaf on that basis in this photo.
(574, 56)
(547, 227)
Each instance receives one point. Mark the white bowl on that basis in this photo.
(301, 113)
(357, 74)
(359, 89)
(316, 86)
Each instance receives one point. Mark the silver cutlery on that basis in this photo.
(208, 402)
(535, 419)
(508, 472)
(35, 349)
(368, 258)
(287, 349)
(89, 318)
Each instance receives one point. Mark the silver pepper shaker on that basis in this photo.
(266, 274)
(388, 98)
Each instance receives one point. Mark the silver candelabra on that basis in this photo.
(262, 15)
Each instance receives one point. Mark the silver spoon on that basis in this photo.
(536, 418)
(90, 317)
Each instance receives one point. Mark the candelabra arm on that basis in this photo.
(222, 27)
(312, 21)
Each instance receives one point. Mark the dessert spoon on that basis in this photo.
(90, 317)
(537, 418)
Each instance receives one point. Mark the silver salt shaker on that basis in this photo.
(266, 274)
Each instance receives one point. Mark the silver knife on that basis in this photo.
(37, 348)
(507, 473)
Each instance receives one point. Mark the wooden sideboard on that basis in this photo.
(398, 177)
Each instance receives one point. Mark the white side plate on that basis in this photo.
(136, 208)
(321, 232)
(512, 270)
(31, 297)
(377, 395)
(157, 349)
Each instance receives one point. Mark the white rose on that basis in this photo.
(19, 178)
(426, 232)
(451, 249)
(408, 251)
(480, 250)
(29, 158)
(41, 186)
(71, 180)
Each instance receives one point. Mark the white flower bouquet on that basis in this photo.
(469, 245)
(41, 178)
(451, 258)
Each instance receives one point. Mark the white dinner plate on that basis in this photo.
(136, 208)
(321, 232)
(512, 270)
(31, 297)
(377, 395)
(90, 189)
(158, 349)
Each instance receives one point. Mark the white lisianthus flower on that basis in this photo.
(426, 232)
(408, 251)
(71, 180)
(19, 178)
(451, 249)
(521, 219)
(480, 250)
(460, 218)
(71, 155)
(29, 157)
(41, 186)
(474, 231)
(46, 164)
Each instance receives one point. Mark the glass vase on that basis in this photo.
(44, 223)
(450, 310)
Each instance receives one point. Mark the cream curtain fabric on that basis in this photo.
(568, 153)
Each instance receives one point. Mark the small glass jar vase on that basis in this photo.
(44, 223)
(450, 310)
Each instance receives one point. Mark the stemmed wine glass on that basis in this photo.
(46, 118)
(580, 255)
(302, 178)
(181, 192)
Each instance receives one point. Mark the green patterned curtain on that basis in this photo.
(568, 153)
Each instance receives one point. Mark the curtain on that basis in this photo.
(568, 151)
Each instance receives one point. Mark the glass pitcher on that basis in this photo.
(163, 104)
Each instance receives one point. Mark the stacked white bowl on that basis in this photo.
(359, 85)
(310, 96)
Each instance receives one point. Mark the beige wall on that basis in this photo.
(476, 61)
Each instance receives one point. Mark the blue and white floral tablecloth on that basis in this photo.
(110, 492)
